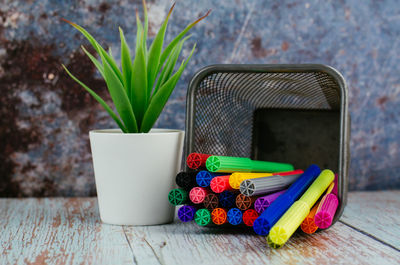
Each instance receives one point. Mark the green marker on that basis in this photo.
(229, 164)
(202, 217)
(178, 196)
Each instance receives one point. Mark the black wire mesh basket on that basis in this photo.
(293, 113)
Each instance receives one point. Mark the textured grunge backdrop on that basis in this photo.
(45, 116)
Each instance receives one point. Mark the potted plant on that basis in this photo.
(135, 165)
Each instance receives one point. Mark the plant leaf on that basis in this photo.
(100, 100)
(146, 27)
(98, 65)
(160, 98)
(155, 53)
(139, 78)
(99, 49)
(175, 41)
(119, 97)
(170, 64)
(126, 63)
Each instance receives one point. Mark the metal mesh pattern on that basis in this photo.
(224, 104)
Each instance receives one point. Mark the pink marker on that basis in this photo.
(327, 208)
(262, 203)
(197, 194)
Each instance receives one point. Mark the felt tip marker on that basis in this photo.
(244, 202)
(292, 219)
(186, 180)
(196, 160)
(229, 164)
(197, 194)
(204, 177)
(265, 185)
(272, 214)
(263, 202)
(202, 217)
(249, 216)
(186, 213)
(326, 209)
(227, 199)
(178, 196)
(235, 216)
(211, 201)
(220, 184)
(238, 177)
(219, 216)
(308, 226)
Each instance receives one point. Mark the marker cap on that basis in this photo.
(211, 201)
(262, 203)
(249, 216)
(202, 217)
(326, 211)
(197, 194)
(186, 213)
(220, 184)
(244, 202)
(178, 196)
(196, 160)
(227, 199)
(234, 216)
(219, 216)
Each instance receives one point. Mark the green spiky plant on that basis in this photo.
(141, 90)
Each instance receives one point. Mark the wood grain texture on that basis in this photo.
(375, 213)
(180, 243)
(59, 231)
(68, 231)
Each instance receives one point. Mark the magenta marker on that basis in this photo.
(326, 211)
(262, 203)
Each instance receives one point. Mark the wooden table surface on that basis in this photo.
(68, 231)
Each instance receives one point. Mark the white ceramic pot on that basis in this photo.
(134, 174)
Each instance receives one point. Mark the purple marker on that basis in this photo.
(262, 203)
(186, 213)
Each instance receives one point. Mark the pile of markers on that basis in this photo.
(272, 198)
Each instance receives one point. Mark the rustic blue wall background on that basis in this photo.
(45, 117)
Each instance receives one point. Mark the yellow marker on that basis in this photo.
(292, 219)
(237, 177)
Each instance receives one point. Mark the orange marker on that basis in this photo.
(219, 216)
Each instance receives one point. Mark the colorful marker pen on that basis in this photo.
(237, 177)
(308, 225)
(272, 214)
(249, 216)
(243, 164)
(186, 180)
(204, 177)
(227, 199)
(202, 217)
(326, 209)
(186, 213)
(244, 202)
(219, 216)
(178, 196)
(196, 160)
(211, 201)
(262, 203)
(197, 194)
(292, 219)
(234, 216)
(265, 185)
(220, 184)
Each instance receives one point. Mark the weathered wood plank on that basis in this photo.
(59, 231)
(375, 213)
(180, 243)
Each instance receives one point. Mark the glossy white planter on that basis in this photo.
(134, 174)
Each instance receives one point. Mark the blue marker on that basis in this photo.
(227, 199)
(235, 216)
(271, 215)
(204, 177)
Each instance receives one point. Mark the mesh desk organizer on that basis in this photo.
(295, 113)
